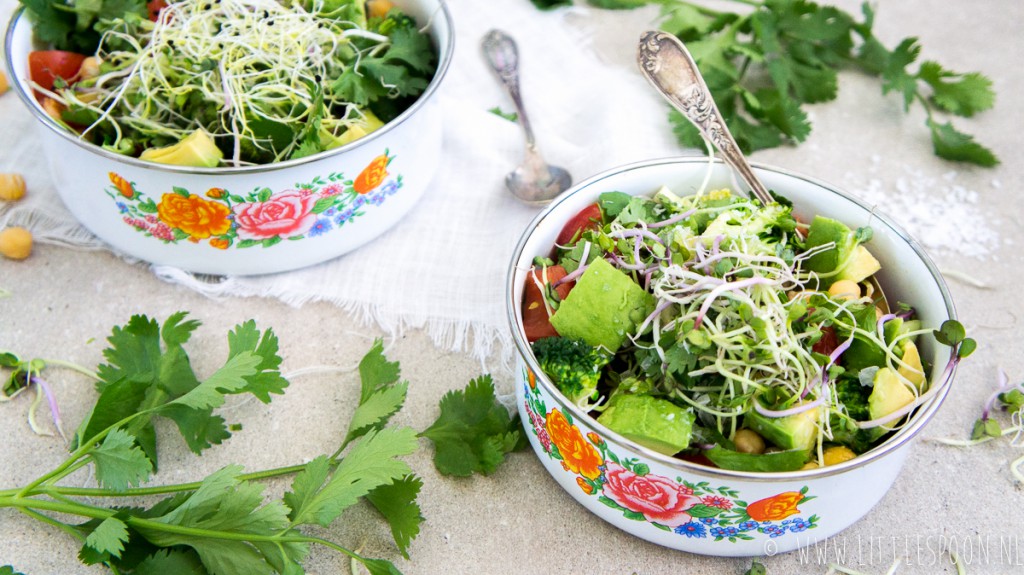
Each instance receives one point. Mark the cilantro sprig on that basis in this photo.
(768, 60)
(223, 524)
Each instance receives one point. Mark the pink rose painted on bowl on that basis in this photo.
(285, 215)
(659, 498)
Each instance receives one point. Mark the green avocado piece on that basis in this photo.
(603, 308)
(860, 266)
(197, 150)
(822, 231)
(655, 423)
(888, 395)
(797, 431)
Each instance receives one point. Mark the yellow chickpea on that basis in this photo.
(378, 8)
(845, 289)
(811, 465)
(89, 69)
(15, 243)
(12, 187)
(837, 454)
(748, 441)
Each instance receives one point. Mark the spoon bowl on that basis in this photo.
(534, 182)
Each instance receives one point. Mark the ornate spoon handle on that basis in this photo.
(669, 67)
(502, 54)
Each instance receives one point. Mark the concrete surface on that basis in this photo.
(62, 304)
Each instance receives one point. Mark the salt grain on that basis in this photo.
(943, 215)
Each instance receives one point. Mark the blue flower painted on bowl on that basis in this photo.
(717, 532)
(322, 226)
(799, 524)
(748, 525)
(708, 520)
(691, 529)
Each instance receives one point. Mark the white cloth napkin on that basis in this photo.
(443, 267)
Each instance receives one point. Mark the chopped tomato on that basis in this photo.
(45, 66)
(535, 314)
(589, 218)
(828, 342)
(154, 7)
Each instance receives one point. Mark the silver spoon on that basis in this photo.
(668, 66)
(535, 182)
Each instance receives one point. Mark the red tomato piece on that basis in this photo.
(154, 7)
(535, 316)
(45, 66)
(589, 218)
(828, 343)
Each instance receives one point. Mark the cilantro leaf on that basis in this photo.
(960, 94)
(225, 504)
(958, 146)
(474, 431)
(411, 48)
(172, 562)
(550, 4)
(381, 396)
(895, 77)
(317, 498)
(618, 4)
(106, 540)
(267, 380)
(120, 462)
(231, 378)
(8, 570)
(397, 503)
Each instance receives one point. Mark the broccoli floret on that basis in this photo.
(573, 365)
(854, 397)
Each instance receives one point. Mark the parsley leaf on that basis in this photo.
(120, 462)
(397, 503)
(474, 431)
(318, 498)
(382, 394)
(960, 94)
(955, 145)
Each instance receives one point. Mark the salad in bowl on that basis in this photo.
(707, 372)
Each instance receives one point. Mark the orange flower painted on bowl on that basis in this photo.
(373, 174)
(585, 486)
(595, 438)
(775, 507)
(216, 193)
(220, 243)
(578, 456)
(193, 215)
(531, 379)
(123, 186)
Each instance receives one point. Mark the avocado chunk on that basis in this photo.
(914, 368)
(798, 431)
(860, 266)
(197, 150)
(603, 308)
(847, 261)
(655, 423)
(889, 394)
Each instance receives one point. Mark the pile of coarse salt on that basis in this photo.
(944, 216)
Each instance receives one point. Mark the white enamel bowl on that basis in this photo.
(692, 507)
(248, 220)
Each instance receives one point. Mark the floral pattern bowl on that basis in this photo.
(254, 219)
(689, 506)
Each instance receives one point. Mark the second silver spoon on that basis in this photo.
(535, 182)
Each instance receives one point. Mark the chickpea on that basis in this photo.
(845, 289)
(12, 187)
(15, 243)
(811, 465)
(837, 454)
(89, 69)
(748, 441)
(53, 109)
(378, 8)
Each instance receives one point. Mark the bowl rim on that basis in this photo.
(902, 437)
(446, 52)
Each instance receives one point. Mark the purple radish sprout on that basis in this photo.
(730, 286)
(880, 327)
(52, 402)
(791, 411)
(674, 219)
